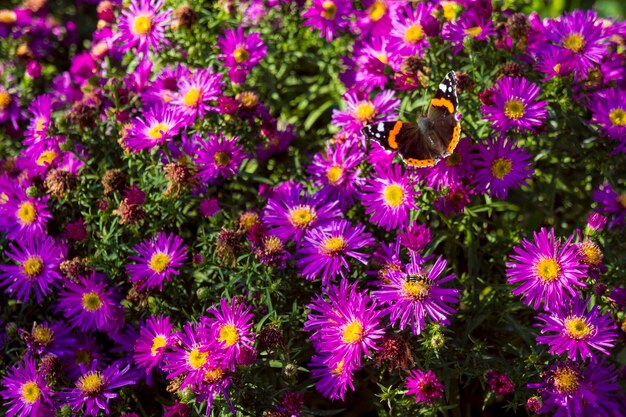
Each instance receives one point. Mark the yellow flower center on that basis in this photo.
(574, 42)
(249, 219)
(592, 254)
(228, 334)
(7, 17)
(454, 159)
(577, 328)
(414, 33)
(364, 111)
(334, 245)
(618, 117)
(30, 392)
(334, 174)
(501, 167)
(248, 99)
(302, 216)
(157, 131)
(548, 270)
(221, 159)
(213, 375)
(159, 262)
(352, 332)
(377, 11)
(273, 244)
(416, 289)
(382, 57)
(565, 380)
(474, 32)
(92, 301)
(514, 109)
(5, 99)
(449, 10)
(394, 195)
(557, 68)
(43, 335)
(39, 124)
(142, 25)
(27, 213)
(196, 359)
(83, 356)
(4, 198)
(90, 383)
(32, 266)
(338, 369)
(330, 9)
(241, 55)
(46, 157)
(192, 97)
(158, 342)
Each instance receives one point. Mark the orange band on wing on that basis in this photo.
(456, 134)
(392, 135)
(420, 162)
(443, 102)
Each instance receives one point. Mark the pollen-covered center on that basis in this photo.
(213, 375)
(577, 328)
(416, 289)
(591, 252)
(302, 216)
(241, 54)
(383, 57)
(353, 332)
(8, 16)
(191, 97)
(159, 341)
(228, 334)
(338, 369)
(5, 99)
(548, 270)
(474, 31)
(196, 359)
(157, 131)
(565, 380)
(574, 42)
(159, 262)
(334, 174)
(91, 383)
(46, 157)
(377, 11)
(514, 109)
(501, 167)
(394, 195)
(142, 25)
(330, 10)
(92, 301)
(221, 159)
(365, 111)
(414, 33)
(27, 213)
(618, 117)
(32, 266)
(334, 245)
(43, 335)
(30, 392)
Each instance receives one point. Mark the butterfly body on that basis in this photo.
(432, 138)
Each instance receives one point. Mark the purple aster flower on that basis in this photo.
(159, 258)
(9, 107)
(165, 87)
(95, 388)
(595, 223)
(90, 304)
(573, 329)
(241, 51)
(329, 16)
(337, 171)
(376, 19)
(230, 330)
(454, 200)
(515, 105)
(546, 270)
(570, 391)
(579, 33)
(142, 26)
(218, 156)
(425, 386)
(389, 197)
(413, 295)
(345, 322)
(416, 237)
(410, 29)
(40, 116)
(361, 111)
(334, 376)
(609, 112)
(470, 25)
(499, 383)
(48, 339)
(28, 216)
(373, 59)
(289, 213)
(155, 336)
(38, 259)
(450, 171)
(500, 166)
(177, 409)
(326, 249)
(196, 92)
(554, 62)
(612, 204)
(26, 391)
(157, 126)
(209, 207)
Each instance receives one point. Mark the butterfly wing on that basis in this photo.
(444, 128)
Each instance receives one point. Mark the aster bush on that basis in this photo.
(191, 222)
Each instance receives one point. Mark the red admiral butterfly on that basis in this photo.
(432, 138)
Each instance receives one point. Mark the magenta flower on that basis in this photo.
(217, 156)
(28, 216)
(155, 336)
(40, 116)
(612, 204)
(425, 386)
(329, 16)
(241, 51)
(609, 112)
(470, 25)
(197, 93)
(360, 111)
(26, 391)
(334, 376)
(411, 28)
(159, 258)
(142, 26)
(157, 126)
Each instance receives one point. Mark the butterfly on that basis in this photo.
(432, 138)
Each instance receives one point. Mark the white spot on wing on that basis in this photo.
(381, 127)
(443, 87)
